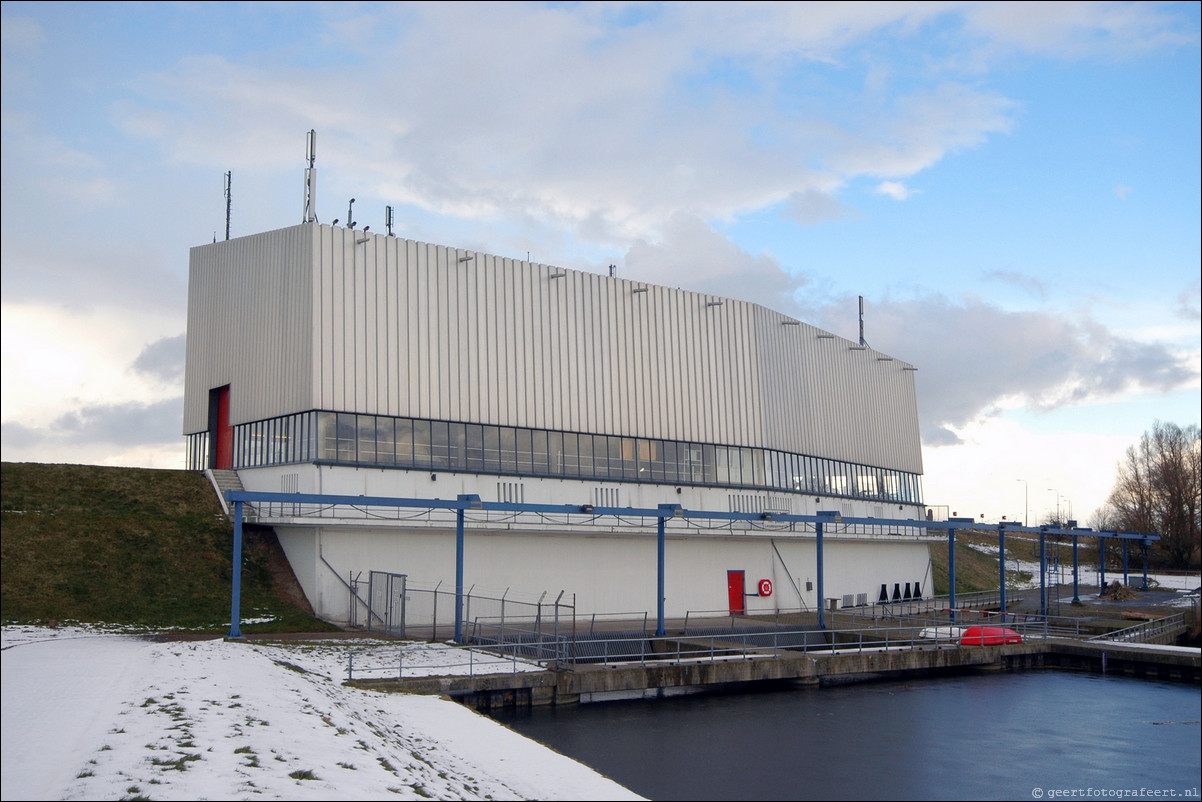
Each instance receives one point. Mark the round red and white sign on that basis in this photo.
(765, 587)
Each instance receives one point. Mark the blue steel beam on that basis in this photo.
(464, 503)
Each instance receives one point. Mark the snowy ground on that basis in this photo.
(95, 715)
(1061, 573)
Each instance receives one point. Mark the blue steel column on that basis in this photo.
(1076, 568)
(1101, 565)
(1143, 545)
(659, 598)
(1126, 578)
(1001, 567)
(459, 575)
(951, 572)
(1043, 573)
(236, 593)
(821, 606)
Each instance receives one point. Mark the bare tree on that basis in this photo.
(1158, 489)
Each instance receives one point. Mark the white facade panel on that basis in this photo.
(250, 313)
(332, 318)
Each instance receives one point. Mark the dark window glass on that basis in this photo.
(671, 467)
(404, 441)
(539, 450)
(524, 449)
(385, 441)
(458, 438)
(475, 447)
(571, 454)
(492, 449)
(555, 453)
(367, 438)
(347, 437)
(508, 449)
(440, 445)
(421, 443)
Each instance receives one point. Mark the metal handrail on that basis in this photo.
(563, 649)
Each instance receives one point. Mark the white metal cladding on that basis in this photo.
(250, 325)
(419, 330)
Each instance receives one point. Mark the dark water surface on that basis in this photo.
(987, 736)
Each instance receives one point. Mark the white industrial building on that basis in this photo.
(336, 361)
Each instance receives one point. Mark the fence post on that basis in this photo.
(350, 666)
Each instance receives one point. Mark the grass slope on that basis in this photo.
(129, 546)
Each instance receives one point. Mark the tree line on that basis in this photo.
(1158, 489)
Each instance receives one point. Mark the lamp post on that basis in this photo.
(1026, 500)
(1057, 492)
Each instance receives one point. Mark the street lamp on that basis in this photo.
(1026, 500)
(1057, 492)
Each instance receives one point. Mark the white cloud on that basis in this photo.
(894, 189)
(982, 475)
(1122, 191)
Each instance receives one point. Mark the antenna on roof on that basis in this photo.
(311, 179)
(229, 176)
(350, 219)
(613, 270)
(388, 219)
(863, 342)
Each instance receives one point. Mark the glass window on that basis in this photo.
(492, 449)
(385, 441)
(721, 464)
(622, 450)
(508, 449)
(573, 459)
(555, 453)
(347, 437)
(597, 450)
(539, 452)
(421, 443)
(475, 447)
(458, 444)
(440, 444)
(367, 438)
(404, 441)
(671, 464)
(524, 449)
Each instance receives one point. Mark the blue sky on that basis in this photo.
(1013, 188)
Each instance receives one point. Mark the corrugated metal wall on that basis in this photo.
(250, 325)
(419, 330)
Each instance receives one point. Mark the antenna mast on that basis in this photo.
(311, 178)
(862, 340)
(229, 176)
(388, 219)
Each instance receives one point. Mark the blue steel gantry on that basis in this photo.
(665, 512)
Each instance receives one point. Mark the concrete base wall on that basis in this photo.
(600, 572)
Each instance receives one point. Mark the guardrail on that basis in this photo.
(1146, 630)
(531, 650)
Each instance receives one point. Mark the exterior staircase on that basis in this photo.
(222, 481)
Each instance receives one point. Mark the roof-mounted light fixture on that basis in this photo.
(826, 336)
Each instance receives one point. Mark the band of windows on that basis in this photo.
(378, 441)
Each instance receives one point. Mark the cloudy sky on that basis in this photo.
(1013, 188)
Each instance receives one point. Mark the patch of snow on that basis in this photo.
(89, 714)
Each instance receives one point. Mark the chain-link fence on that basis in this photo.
(399, 607)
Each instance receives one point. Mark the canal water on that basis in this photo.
(1015, 735)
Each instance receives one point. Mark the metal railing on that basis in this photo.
(1146, 630)
(532, 650)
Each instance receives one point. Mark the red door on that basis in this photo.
(225, 433)
(735, 590)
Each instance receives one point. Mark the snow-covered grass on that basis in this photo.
(1062, 574)
(104, 715)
